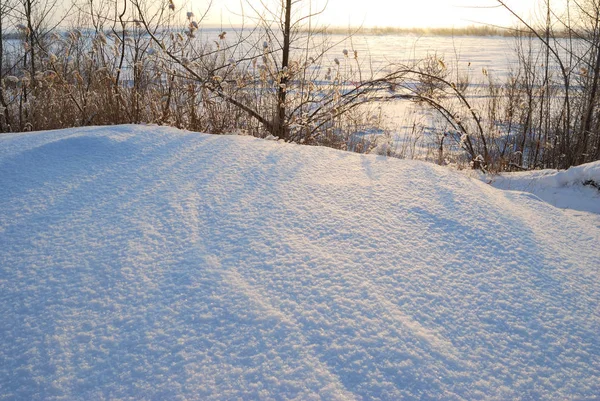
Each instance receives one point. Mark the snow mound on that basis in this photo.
(149, 263)
(575, 189)
(578, 175)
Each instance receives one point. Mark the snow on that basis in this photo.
(565, 189)
(141, 262)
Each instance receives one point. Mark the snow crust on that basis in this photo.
(149, 263)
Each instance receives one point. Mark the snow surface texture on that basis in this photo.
(565, 189)
(150, 263)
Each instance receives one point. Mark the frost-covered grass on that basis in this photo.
(142, 262)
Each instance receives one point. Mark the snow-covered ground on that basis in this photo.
(150, 263)
(565, 189)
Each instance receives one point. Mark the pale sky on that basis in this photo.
(391, 13)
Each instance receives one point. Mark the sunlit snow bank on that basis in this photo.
(149, 263)
(575, 189)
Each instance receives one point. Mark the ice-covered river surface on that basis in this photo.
(469, 53)
(476, 58)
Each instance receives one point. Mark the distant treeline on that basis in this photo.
(440, 31)
(473, 30)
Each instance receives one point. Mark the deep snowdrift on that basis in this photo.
(149, 263)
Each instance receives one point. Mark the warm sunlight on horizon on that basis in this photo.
(423, 13)
(383, 13)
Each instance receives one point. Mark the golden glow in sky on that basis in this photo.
(391, 13)
(413, 13)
